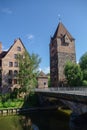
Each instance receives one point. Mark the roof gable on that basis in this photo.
(62, 31)
(42, 74)
(17, 41)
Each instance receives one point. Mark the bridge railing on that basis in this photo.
(82, 89)
(66, 89)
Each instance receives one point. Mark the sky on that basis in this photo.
(35, 21)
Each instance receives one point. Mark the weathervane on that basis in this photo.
(59, 17)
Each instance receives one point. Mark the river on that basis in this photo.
(43, 120)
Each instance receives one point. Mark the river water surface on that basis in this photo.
(43, 120)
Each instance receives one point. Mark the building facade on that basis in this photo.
(62, 49)
(9, 65)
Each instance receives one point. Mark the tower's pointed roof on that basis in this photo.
(62, 31)
(42, 74)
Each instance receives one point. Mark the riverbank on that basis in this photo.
(9, 111)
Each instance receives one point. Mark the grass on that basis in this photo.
(10, 123)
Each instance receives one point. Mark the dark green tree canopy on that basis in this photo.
(83, 62)
(83, 65)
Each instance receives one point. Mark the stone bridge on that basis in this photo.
(75, 98)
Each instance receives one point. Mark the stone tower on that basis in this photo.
(62, 49)
(42, 80)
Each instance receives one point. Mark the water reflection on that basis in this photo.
(44, 120)
(47, 120)
(78, 122)
(17, 122)
(40, 120)
(28, 124)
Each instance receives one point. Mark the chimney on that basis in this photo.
(0, 47)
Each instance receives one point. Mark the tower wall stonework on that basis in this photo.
(62, 59)
(62, 49)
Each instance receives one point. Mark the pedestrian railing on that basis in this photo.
(68, 90)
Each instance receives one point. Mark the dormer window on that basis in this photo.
(65, 40)
(18, 48)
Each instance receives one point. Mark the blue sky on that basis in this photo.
(34, 21)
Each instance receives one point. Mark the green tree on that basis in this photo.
(73, 74)
(83, 62)
(83, 65)
(28, 70)
(0, 76)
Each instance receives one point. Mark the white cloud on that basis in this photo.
(4, 49)
(30, 36)
(7, 10)
(40, 69)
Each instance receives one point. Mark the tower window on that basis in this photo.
(44, 83)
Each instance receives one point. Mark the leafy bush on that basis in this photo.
(6, 104)
(84, 83)
(9, 104)
(12, 104)
(1, 105)
(14, 94)
(18, 99)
